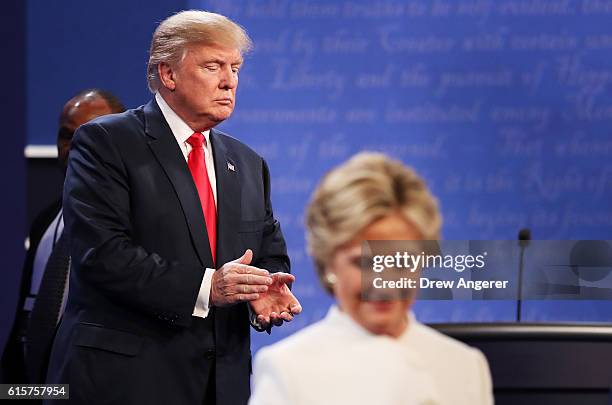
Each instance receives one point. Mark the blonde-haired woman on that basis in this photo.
(368, 352)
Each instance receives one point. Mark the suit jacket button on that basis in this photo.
(210, 354)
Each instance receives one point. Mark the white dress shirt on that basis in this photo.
(43, 251)
(337, 361)
(182, 132)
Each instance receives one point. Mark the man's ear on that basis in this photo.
(166, 75)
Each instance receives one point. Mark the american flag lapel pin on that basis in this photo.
(231, 167)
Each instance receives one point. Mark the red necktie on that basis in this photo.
(197, 167)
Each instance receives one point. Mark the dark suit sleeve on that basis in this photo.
(97, 216)
(274, 256)
(13, 366)
(273, 248)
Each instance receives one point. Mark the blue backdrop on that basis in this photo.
(13, 175)
(503, 106)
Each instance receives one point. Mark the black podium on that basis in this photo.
(542, 364)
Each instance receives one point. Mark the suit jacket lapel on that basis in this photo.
(228, 199)
(167, 151)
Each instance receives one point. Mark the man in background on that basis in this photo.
(43, 289)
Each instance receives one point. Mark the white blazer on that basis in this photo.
(336, 361)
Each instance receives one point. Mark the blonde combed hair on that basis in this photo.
(366, 188)
(179, 31)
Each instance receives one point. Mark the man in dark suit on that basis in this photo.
(35, 336)
(172, 236)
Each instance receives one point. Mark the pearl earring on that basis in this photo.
(331, 278)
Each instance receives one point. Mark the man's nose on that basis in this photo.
(229, 79)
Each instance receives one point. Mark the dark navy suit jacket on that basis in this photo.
(139, 250)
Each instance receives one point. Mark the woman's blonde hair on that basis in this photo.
(366, 188)
(177, 32)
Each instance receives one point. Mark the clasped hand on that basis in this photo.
(268, 294)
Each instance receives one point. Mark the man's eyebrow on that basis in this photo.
(214, 60)
(222, 62)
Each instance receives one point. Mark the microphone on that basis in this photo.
(524, 237)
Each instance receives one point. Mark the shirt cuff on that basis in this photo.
(202, 306)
